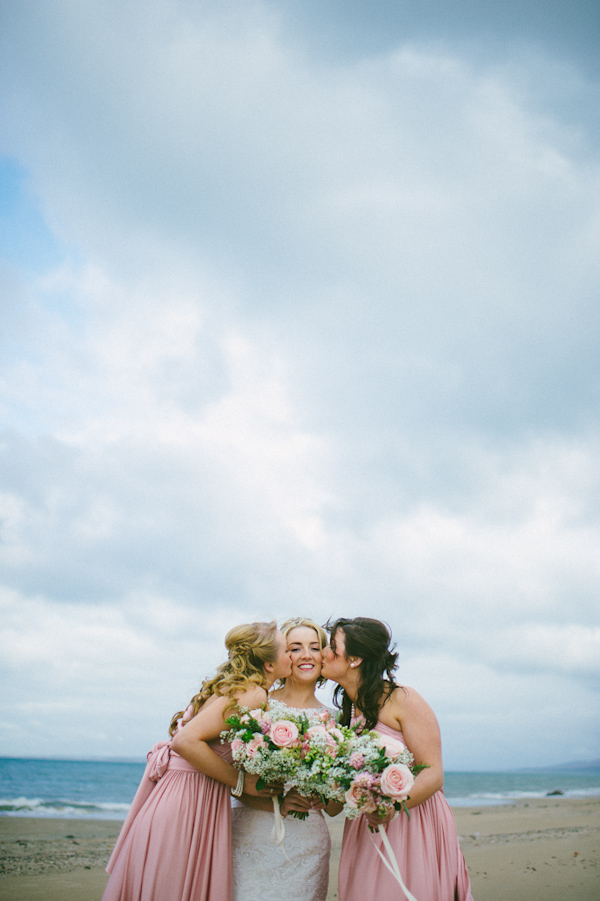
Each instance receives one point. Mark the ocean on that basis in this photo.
(90, 789)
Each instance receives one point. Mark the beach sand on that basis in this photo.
(542, 850)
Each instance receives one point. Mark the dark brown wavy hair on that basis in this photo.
(369, 639)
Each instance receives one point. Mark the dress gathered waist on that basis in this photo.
(162, 757)
(178, 763)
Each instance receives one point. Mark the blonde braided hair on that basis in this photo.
(250, 646)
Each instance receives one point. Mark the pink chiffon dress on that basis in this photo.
(175, 844)
(426, 847)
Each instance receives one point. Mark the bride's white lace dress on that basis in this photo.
(260, 871)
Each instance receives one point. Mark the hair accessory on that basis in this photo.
(238, 791)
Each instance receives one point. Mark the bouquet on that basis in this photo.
(375, 775)
(322, 743)
(372, 773)
(264, 745)
(367, 772)
(296, 748)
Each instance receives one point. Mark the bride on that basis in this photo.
(260, 869)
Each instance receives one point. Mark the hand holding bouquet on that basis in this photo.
(375, 775)
(285, 746)
(322, 742)
(263, 745)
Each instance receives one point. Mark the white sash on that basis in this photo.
(278, 832)
(392, 864)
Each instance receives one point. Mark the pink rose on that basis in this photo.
(392, 746)
(397, 781)
(236, 745)
(353, 795)
(261, 716)
(357, 797)
(325, 716)
(284, 734)
(254, 745)
(332, 745)
(313, 731)
(336, 733)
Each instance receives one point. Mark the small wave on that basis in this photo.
(58, 807)
(488, 799)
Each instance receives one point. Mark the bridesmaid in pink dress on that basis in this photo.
(426, 846)
(175, 844)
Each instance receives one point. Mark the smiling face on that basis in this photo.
(335, 663)
(305, 654)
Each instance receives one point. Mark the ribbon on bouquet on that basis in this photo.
(278, 831)
(392, 863)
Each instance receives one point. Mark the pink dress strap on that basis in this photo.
(387, 730)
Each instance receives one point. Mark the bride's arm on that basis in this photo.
(293, 800)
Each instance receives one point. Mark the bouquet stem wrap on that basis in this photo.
(392, 863)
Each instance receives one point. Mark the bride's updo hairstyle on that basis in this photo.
(250, 646)
(297, 622)
(369, 639)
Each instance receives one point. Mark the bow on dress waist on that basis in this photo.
(158, 760)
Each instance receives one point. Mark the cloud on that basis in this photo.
(101, 678)
(320, 340)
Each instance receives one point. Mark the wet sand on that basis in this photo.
(528, 851)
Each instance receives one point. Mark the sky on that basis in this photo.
(300, 317)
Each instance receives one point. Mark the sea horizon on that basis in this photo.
(574, 765)
(104, 788)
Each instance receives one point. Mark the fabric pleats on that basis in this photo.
(425, 845)
(175, 845)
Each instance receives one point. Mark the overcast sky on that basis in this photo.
(300, 317)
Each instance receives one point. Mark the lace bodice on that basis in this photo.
(279, 708)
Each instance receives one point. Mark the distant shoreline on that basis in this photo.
(572, 766)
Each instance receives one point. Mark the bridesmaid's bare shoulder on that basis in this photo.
(252, 697)
(404, 704)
